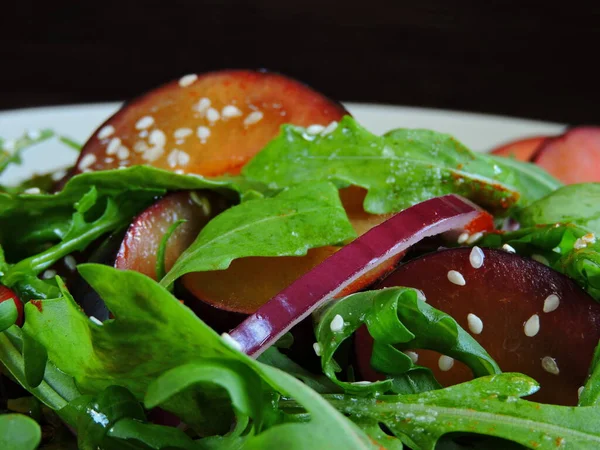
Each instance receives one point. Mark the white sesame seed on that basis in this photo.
(34, 135)
(337, 324)
(421, 295)
(183, 158)
(87, 161)
(144, 123)
(414, 357)
(253, 117)
(549, 365)
(315, 129)
(106, 132)
(230, 111)
(361, 383)
(580, 391)
(109, 160)
(476, 257)
(32, 190)
(475, 323)
(58, 175)
(113, 146)
(445, 363)
(179, 172)
(182, 133)
(157, 138)
(532, 326)
(202, 105)
(153, 153)
(172, 158)
(50, 273)
(203, 133)
(140, 146)
(187, 80)
(583, 241)
(212, 115)
(329, 128)
(456, 277)
(508, 248)
(143, 134)
(123, 152)
(70, 262)
(541, 259)
(178, 158)
(96, 321)
(231, 342)
(551, 303)
(462, 238)
(317, 348)
(474, 237)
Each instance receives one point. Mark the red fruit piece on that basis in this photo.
(522, 149)
(210, 124)
(573, 157)
(9, 294)
(505, 293)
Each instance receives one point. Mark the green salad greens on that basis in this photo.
(154, 375)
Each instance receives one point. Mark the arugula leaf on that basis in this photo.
(397, 320)
(297, 219)
(155, 437)
(564, 247)
(161, 270)
(590, 395)
(489, 405)
(399, 169)
(8, 314)
(19, 432)
(35, 358)
(577, 203)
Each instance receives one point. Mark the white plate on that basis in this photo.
(478, 131)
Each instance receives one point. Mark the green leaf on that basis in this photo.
(19, 432)
(489, 406)
(397, 320)
(8, 314)
(35, 357)
(297, 219)
(577, 204)
(590, 395)
(155, 437)
(399, 169)
(162, 249)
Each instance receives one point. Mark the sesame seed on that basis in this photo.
(178, 158)
(183, 158)
(106, 132)
(476, 257)
(361, 383)
(317, 348)
(474, 237)
(187, 80)
(475, 323)
(508, 248)
(315, 129)
(329, 128)
(462, 238)
(551, 303)
(230, 111)
(140, 147)
(231, 342)
(456, 277)
(182, 133)
(113, 146)
(157, 138)
(414, 357)
(87, 161)
(179, 172)
(212, 115)
(144, 123)
(541, 259)
(70, 262)
(96, 321)
(34, 135)
(152, 154)
(580, 391)
(143, 134)
(32, 190)
(549, 365)
(58, 175)
(532, 326)
(202, 105)
(123, 152)
(337, 324)
(50, 273)
(109, 160)
(203, 133)
(253, 117)
(421, 295)
(445, 363)
(583, 241)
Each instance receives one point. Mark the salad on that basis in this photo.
(234, 262)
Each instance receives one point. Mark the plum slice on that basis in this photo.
(521, 149)
(573, 157)
(208, 124)
(530, 318)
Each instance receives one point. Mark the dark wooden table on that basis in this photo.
(507, 57)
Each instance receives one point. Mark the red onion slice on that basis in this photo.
(315, 288)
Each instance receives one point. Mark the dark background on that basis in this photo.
(516, 58)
